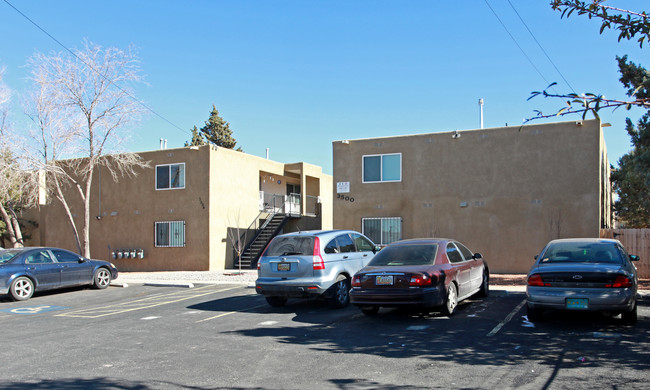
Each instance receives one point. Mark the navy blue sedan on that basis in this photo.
(26, 270)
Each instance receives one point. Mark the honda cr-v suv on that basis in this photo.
(312, 264)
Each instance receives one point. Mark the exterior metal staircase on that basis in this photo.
(263, 236)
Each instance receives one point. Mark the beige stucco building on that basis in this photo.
(177, 214)
(504, 192)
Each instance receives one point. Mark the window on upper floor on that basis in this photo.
(170, 176)
(382, 168)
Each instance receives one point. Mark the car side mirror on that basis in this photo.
(634, 258)
(82, 259)
(535, 257)
(376, 249)
(477, 256)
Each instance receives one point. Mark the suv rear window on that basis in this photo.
(291, 245)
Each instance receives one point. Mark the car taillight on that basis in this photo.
(621, 281)
(318, 259)
(420, 280)
(356, 281)
(536, 280)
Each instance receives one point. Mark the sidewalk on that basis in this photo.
(248, 277)
(509, 282)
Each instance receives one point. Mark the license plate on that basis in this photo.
(284, 266)
(383, 280)
(577, 303)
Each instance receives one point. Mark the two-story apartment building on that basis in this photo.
(505, 192)
(189, 207)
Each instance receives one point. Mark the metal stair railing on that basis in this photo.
(272, 212)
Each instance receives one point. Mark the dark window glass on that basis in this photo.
(467, 254)
(291, 245)
(39, 257)
(345, 243)
(372, 168)
(362, 243)
(162, 177)
(331, 247)
(65, 256)
(452, 254)
(581, 252)
(408, 254)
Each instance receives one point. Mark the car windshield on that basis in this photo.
(291, 245)
(581, 252)
(409, 254)
(7, 254)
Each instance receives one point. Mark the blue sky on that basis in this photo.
(293, 76)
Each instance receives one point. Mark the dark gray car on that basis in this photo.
(583, 274)
(24, 271)
(312, 264)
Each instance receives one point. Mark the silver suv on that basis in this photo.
(312, 264)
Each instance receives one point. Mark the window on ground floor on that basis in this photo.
(170, 234)
(382, 231)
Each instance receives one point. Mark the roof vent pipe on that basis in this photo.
(267, 153)
(480, 104)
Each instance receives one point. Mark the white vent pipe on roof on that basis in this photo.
(480, 104)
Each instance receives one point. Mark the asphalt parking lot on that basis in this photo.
(226, 336)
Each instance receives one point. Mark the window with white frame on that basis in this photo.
(170, 234)
(382, 231)
(382, 168)
(170, 176)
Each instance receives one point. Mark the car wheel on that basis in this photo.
(341, 292)
(22, 289)
(370, 311)
(629, 317)
(452, 300)
(276, 301)
(484, 290)
(535, 314)
(102, 278)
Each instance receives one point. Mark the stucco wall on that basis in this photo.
(221, 191)
(504, 192)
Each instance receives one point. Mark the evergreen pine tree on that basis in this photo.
(217, 131)
(197, 139)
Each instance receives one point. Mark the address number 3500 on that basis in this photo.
(345, 197)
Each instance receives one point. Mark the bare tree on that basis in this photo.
(237, 238)
(81, 108)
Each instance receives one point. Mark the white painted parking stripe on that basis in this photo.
(149, 318)
(144, 303)
(508, 318)
(230, 312)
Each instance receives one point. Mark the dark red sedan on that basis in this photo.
(420, 273)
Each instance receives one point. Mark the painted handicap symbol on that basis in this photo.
(33, 309)
(29, 310)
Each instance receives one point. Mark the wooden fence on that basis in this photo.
(637, 242)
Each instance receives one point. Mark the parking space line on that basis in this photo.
(507, 319)
(144, 303)
(230, 312)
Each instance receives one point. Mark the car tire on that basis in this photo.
(102, 278)
(484, 290)
(22, 288)
(451, 301)
(535, 314)
(370, 311)
(340, 292)
(276, 301)
(629, 317)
